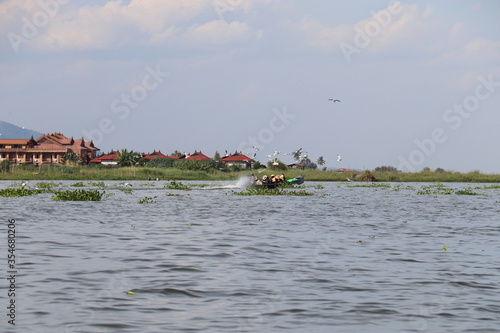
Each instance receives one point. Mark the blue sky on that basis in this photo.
(419, 81)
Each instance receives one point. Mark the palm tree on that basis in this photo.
(217, 156)
(71, 158)
(321, 161)
(128, 158)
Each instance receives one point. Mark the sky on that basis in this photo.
(418, 81)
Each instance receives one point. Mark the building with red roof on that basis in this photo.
(197, 155)
(110, 158)
(158, 154)
(49, 148)
(238, 159)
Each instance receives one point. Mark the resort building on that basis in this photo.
(238, 159)
(158, 154)
(110, 158)
(49, 148)
(197, 155)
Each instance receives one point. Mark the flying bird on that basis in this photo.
(339, 158)
(334, 100)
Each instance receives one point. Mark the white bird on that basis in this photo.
(23, 184)
(339, 158)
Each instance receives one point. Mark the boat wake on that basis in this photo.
(243, 182)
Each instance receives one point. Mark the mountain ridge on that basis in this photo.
(11, 131)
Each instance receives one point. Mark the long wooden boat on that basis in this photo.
(295, 181)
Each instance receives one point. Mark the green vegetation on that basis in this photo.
(370, 185)
(128, 158)
(275, 191)
(78, 195)
(147, 200)
(443, 189)
(47, 186)
(71, 158)
(19, 192)
(209, 170)
(177, 186)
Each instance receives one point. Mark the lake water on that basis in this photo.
(346, 259)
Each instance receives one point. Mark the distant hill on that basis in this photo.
(11, 131)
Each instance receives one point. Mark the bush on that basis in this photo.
(196, 165)
(366, 176)
(161, 162)
(5, 166)
(386, 169)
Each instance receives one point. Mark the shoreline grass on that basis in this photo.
(86, 173)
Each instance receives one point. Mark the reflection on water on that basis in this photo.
(348, 259)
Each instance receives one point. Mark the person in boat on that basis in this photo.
(264, 180)
(253, 180)
(282, 178)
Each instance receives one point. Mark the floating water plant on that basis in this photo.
(78, 184)
(370, 185)
(78, 195)
(435, 189)
(467, 191)
(403, 187)
(489, 187)
(48, 186)
(98, 184)
(126, 190)
(19, 192)
(147, 200)
(264, 191)
(177, 186)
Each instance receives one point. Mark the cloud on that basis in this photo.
(480, 51)
(384, 29)
(217, 33)
(140, 22)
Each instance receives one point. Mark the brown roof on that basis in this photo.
(13, 141)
